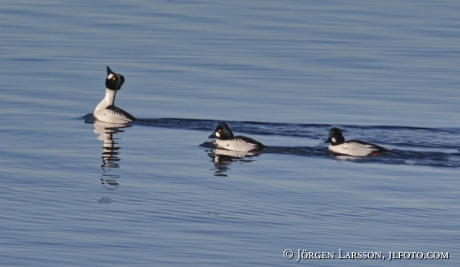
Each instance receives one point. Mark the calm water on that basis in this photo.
(153, 193)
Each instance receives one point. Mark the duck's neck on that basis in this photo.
(109, 97)
(108, 100)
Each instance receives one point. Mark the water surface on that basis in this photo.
(75, 193)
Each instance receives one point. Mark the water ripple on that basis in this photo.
(408, 145)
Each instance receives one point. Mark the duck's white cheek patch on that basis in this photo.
(333, 139)
(217, 134)
(110, 76)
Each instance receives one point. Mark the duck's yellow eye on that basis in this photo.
(219, 130)
(114, 78)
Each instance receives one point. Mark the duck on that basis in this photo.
(355, 148)
(106, 111)
(226, 140)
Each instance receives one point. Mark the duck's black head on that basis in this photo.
(335, 137)
(114, 80)
(222, 132)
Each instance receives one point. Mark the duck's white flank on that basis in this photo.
(354, 148)
(235, 144)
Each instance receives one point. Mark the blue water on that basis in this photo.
(154, 193)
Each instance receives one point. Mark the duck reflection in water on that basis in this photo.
(110, 150)
(222, 159)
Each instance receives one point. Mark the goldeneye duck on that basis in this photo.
(353, 147)
(226, 140)
(106, 110)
